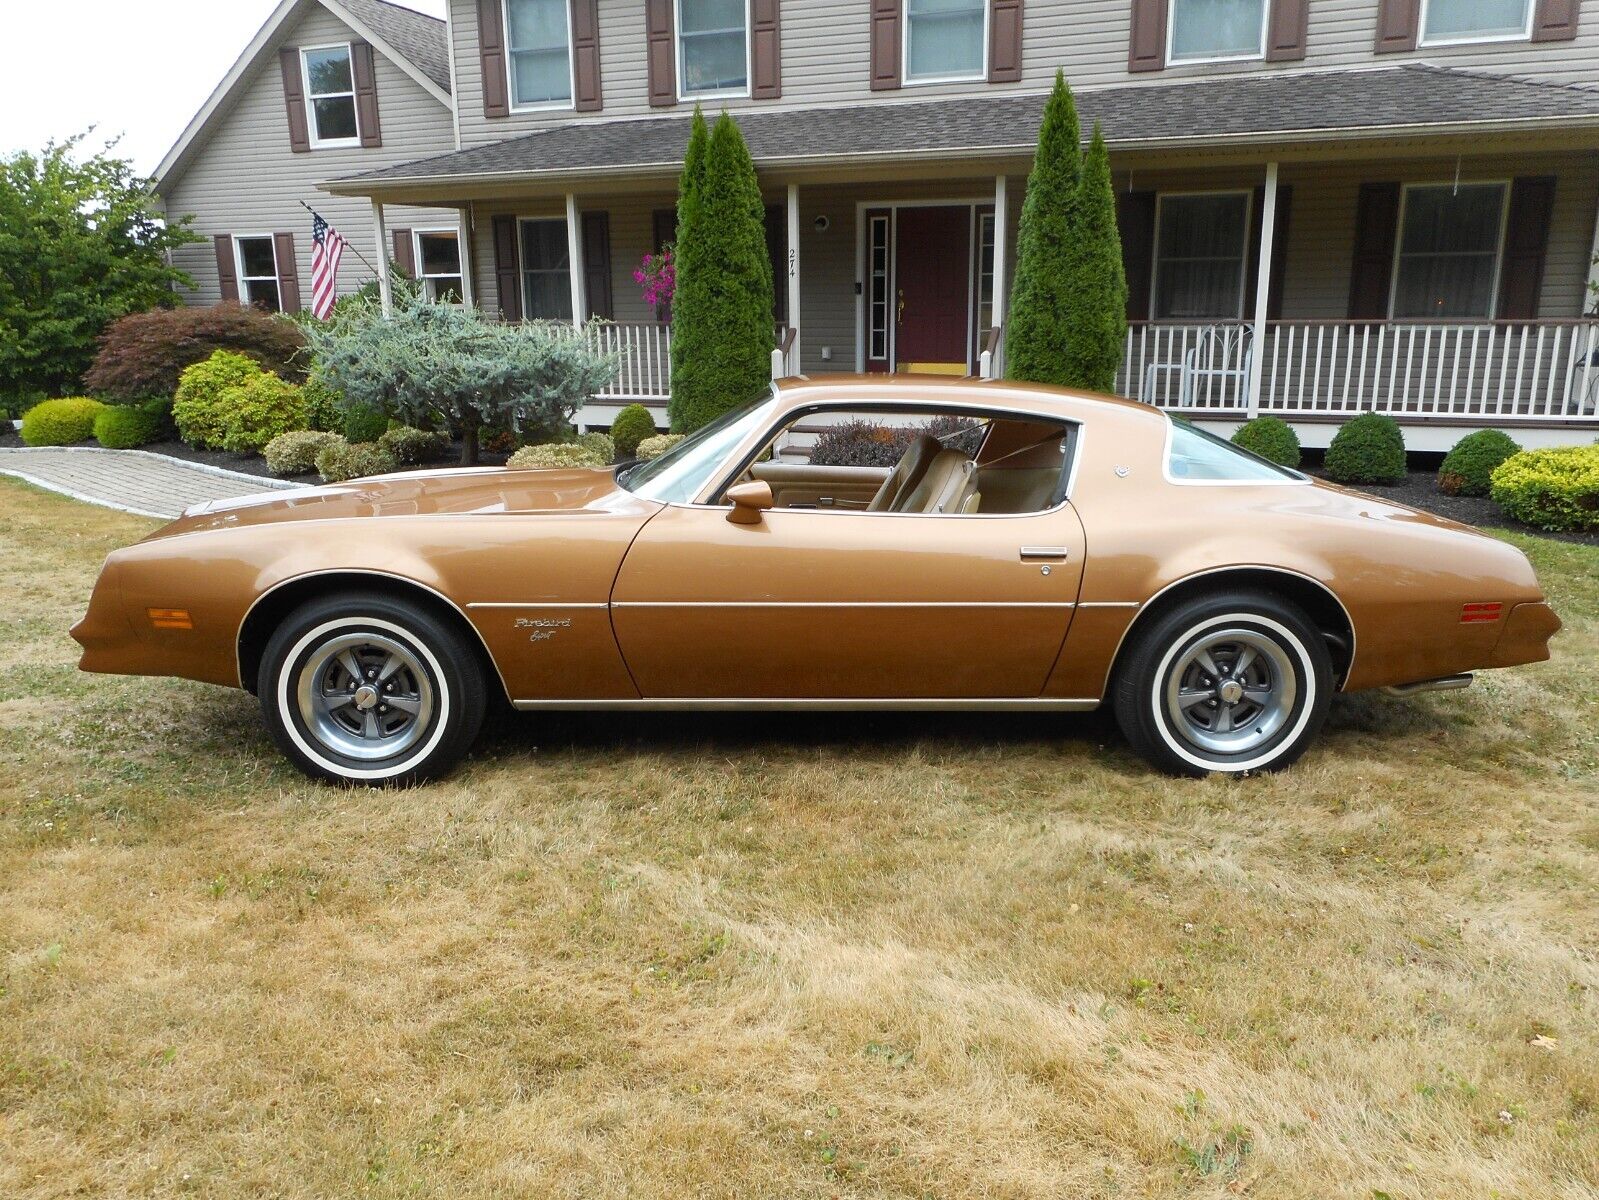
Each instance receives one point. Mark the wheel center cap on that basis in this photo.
(366, 696)
(1230, 692)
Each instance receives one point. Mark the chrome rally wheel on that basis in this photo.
(1234, 683)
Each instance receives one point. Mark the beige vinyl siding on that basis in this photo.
(825, 58)
(245, 179)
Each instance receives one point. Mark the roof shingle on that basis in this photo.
(419, 37)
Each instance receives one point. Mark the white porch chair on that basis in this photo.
(1218, 353)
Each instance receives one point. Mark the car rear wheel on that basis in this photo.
(1234, 683)
(367, 689)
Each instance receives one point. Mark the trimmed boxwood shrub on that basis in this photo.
(295, 453)
(339, 461)
(1270, 437)
(654, 447)
(60, 422)
(601, 444)
(1368, 449)
(1552, 489)
(198, 408)
(413, 445)
(364, 424)
(129, 426)
(324, 405)
(145, 354)
(554, 455)
(257, 411)
(1468, 469)
(632, 425)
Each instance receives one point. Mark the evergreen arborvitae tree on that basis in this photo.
(1096, 295)
(722, 305)
(689, 252)
(1038, 325)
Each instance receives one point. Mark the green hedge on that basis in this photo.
(1369, 449)
(60, 422)
(1468, 469)
(1270, 437)
(257, 411)
(339, 461)
(632, 425)
(413, 445)
(363, 424)
(129, 426)
(1552, 489)
(555, 455)
(295, 453)
(199, 408)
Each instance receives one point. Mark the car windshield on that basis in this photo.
(1197, 456)
(679, 475)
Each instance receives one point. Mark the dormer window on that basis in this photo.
(713, 48)
(1216, 30)
(1445, 22)
(539, 41)
(330, 95)
(945, 40)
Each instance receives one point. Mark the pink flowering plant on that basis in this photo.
(657, 277)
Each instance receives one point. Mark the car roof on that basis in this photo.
(1067, 403)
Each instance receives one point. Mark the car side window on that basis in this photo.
(1195, 456)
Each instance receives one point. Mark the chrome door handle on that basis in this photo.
(1044, 553)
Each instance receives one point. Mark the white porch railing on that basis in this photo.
(1504, 371)
(644, 352)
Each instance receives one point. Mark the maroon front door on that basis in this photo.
(932, 261)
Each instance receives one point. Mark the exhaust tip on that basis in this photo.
(1448, 683)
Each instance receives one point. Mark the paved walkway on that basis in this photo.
(135, 481)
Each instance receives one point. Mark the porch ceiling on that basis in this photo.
(1291, 113)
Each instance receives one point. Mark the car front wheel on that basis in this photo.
(371, 690)
(1232, 683)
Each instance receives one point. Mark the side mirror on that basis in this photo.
(750, 500)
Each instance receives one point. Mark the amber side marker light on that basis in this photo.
(1472, 614)
(170, 618)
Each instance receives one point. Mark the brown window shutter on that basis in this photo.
(1376, 228)
(294, 100)
(885, 45)
(491, 53)
(1135, 222)
(1146, 41)
(1555, 20)
(587, 95)
(405, 251)
(227, 268)
(364, 69)
(1532, 203)
(507, 269)
(661, 50)
(1398, 22)
(766, 50)
(288, 272)
(1004, 41)
(1285, 33)
(597, 264)
(1279, 251)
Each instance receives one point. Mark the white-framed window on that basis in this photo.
(877, 299)
(713, 52)
(1447, 22)
(256, 259)
(330, 95)
(438, 264)
(1201, 254)
(538, 45)
(546, 269)
(945, 40)
(1199, 31)
(985, 276)
(1451, 238)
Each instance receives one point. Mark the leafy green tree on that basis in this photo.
(722, 308)
(443, 366)
(81, 244)
(1096, 295)
(692, 255)
(1038, 327)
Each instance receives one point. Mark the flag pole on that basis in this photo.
(351, 248)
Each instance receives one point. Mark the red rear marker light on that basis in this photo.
(1471, 614)
(170, 618)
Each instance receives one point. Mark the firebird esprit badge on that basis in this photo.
(543, 628)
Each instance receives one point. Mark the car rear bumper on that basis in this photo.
(1526, 635)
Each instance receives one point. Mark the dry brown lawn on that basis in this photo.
(707, 956)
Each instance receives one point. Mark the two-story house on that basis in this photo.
(1327, 206)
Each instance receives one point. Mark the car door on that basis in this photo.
(818, 604)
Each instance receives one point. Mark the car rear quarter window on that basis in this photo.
(1194, 456)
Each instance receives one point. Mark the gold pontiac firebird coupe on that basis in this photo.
(843, 543)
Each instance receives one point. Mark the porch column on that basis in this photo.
(794, 277)
(996, 318)
(380, 238)
(464, 241)
(1268, 234)
(574, 257)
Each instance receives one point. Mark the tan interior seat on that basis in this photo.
(949, 480)
(907, 473)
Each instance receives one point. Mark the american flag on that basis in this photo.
(327, 250)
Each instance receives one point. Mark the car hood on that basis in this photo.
(466, 490)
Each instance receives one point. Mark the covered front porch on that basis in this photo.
(1440, 275)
